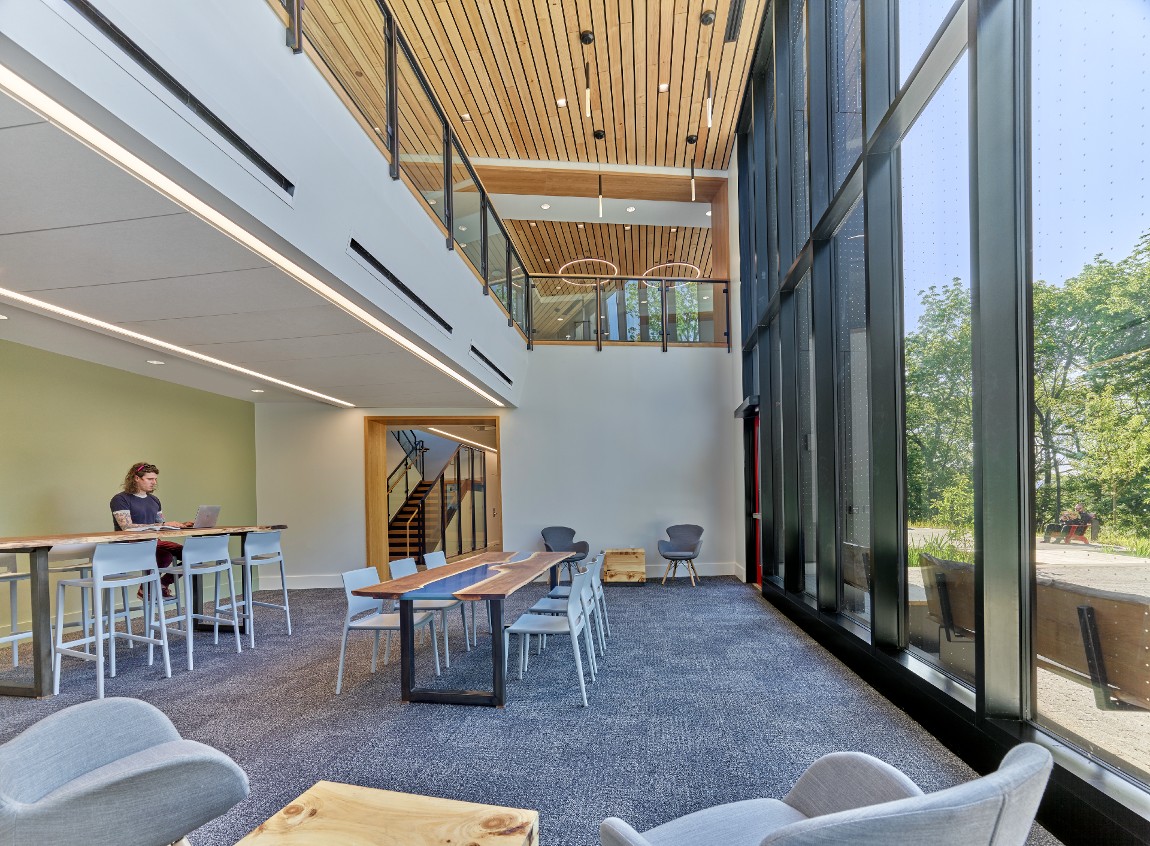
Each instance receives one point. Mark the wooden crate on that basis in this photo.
(624, 565)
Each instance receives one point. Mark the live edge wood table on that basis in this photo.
(490, 576)
(37, 550)
(331, 813)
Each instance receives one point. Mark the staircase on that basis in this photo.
(404, 544)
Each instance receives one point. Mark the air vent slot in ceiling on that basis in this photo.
(475, 352)
(414, 298)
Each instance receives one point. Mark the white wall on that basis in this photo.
(618, 445)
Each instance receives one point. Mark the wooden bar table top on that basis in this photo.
(30, 542)
(332, 813)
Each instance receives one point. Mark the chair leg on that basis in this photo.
(466, 636)
(694, 573)
(590, 647)
(163, 625)
(216, 610)
(375, 652)
(599, 629)
(283, 587)
(667, 572)
(184, 589)
(249, 609)
(112, 631)
(342, 652)
(446, 645)
(435, 645)
(602, 600)
(235, 613)
(523, 655)
(579, 666)
(59, 639)
(98, 620)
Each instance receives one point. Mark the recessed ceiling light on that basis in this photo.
(708, 213)
(580, 225)
(462, 228)
(561, 102)
(3, 317)
(154, 361)
(431, 202)
(674, 228)
(533, 223)
(630, 208)
(466, 117)
(626, 226)
(257, 390)
(664, 87)
(547, 260)
(545, 206)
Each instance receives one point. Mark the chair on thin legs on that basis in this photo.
(203, 556)
(261, 549)
(76, 558)
(405, 567)
(546, 624)
(562, 539)
(367, 614)
(437, 559)
(684, 547)
(12, 577)
(114, 566)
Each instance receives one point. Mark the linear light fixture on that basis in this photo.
(692, 180)
(600, 195)
(44, 105)
(587, 89)
(710, 99)
(112, 328)
(452, 437)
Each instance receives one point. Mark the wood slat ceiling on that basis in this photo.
(634, 250)
(506, 62)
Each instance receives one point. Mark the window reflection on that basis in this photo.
(1091, 309)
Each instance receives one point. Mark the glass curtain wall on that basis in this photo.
(1092, 377)
(969, 361)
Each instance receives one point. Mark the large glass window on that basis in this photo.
(466, 211)
(802, 204)
(496, 258)
(420, 138)
(939, 436)
(1091, 306)
(846, 87)
(853, 414)
(918, 22)
(807, 456)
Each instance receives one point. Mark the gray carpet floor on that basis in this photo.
(706, 695)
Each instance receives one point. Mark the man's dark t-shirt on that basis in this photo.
(145, 509)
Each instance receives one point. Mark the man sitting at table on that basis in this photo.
(137, 505)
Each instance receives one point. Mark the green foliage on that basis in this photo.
(952, 545)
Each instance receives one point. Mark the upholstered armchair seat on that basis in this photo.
(850, 797)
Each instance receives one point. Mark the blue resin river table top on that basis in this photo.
(488, 575)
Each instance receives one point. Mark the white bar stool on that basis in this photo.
(203, 556)
(260, 550)
(115, 566)
(12, 577)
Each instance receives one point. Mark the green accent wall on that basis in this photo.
(70, 430)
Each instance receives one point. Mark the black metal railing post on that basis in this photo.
(510, 284)
(392, 92)
(663, 302)
(483, 243)
(599, 315)
(528, 311)
(295, 26)
(448, 185)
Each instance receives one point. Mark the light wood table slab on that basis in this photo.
(330, 813)
(625, 565)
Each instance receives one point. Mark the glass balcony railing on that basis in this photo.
(382, 85)
(664, 312)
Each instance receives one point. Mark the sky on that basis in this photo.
(1090, 143)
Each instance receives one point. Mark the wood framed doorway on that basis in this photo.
(375, 440)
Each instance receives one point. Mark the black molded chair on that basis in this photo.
(684, 546)
(562, 539)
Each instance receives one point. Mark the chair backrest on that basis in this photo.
(263, 544)
(558, 538)
(856, 566)
(579, 583)
(596, 568)
(995, 810)
(71, 552)
(401, 567)
(111, 559)
(955, 609)
(1119, 631)
(356, 580)
(684, 536)
(207, 549)
(434, 559)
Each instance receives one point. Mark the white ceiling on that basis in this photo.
(78, 232)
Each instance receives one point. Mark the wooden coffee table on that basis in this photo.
(625, 565)
(330, 813)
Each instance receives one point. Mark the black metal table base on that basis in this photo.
(496, 697)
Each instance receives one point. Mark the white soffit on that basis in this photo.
(586, 210)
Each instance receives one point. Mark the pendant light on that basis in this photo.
(587, 89)
(691, 139)
(710, 99)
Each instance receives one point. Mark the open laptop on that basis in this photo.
(206, 517)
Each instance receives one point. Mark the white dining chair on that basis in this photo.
(405, 567)
(367, 614)
(114, 566)
(554, 605)
(574, 624)
(76, 559)
(11, 576)
(203, 556)
(261, 549)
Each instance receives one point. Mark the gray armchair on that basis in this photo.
(684, 546)
(562, 539)
(111, 771)
(849, 797)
